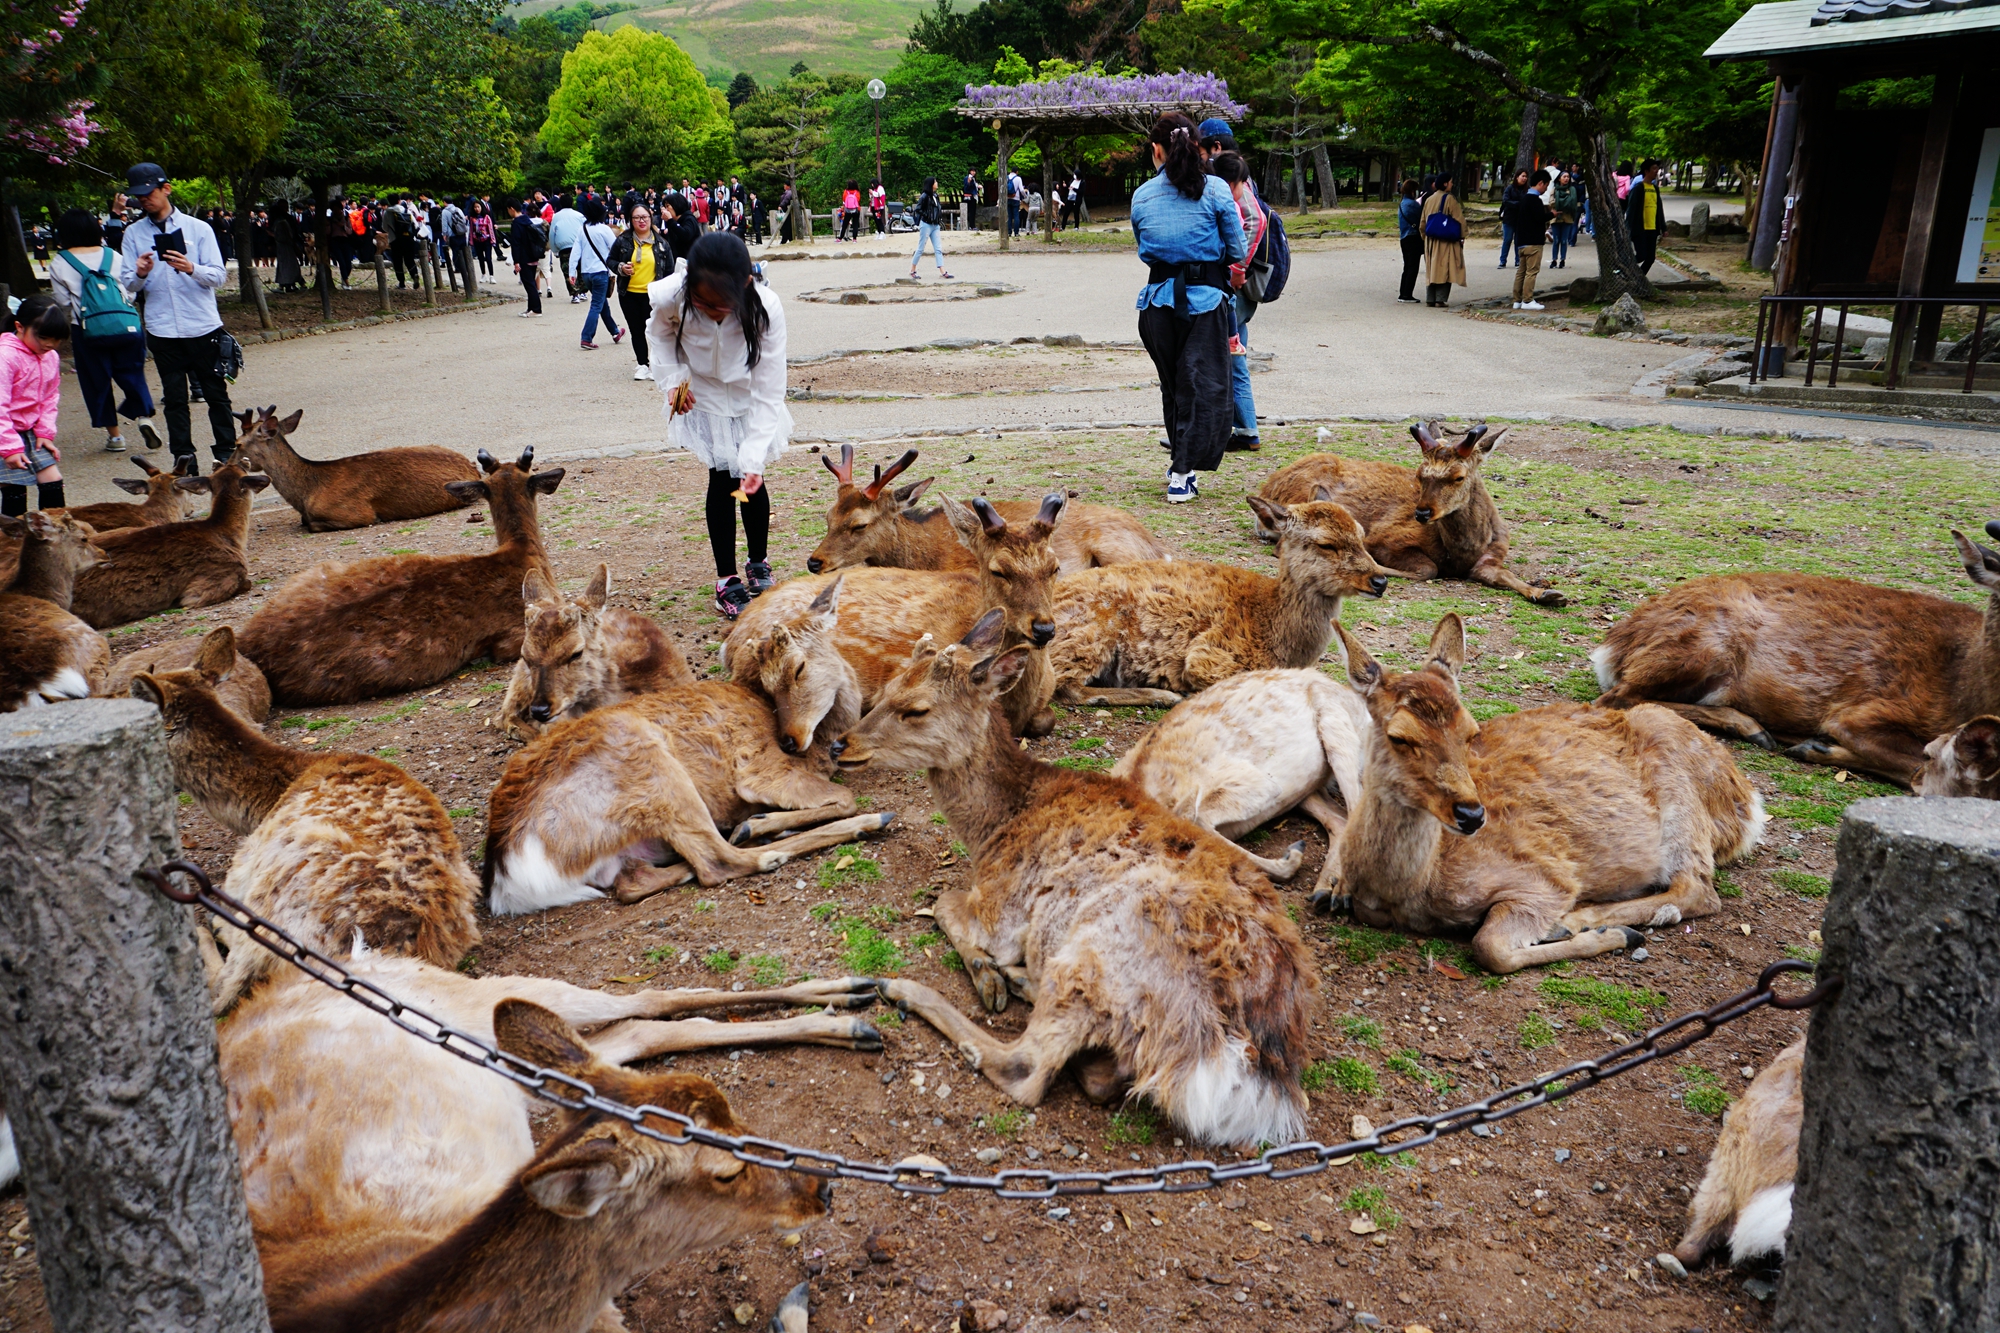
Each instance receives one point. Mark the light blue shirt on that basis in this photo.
(178, 305)
(1173, 229)
(583, 259)
(564, 228)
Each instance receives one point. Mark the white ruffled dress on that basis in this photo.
(739, 423)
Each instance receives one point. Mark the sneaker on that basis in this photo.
(731, 597)
(759, 578)
(643, 373)
(1194, 484)
(576, 300)
(588, 347)
(525, 314)
(1533, 305)
(1517, 305)
(943, 274)
(115, 445)
(1411, 299)
(150, 434)
(1180, 488)
(1242, 444)
(1166, 443)
(617, 337)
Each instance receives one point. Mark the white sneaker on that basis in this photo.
(1533, 305)
(1517, 305)
(643, 373)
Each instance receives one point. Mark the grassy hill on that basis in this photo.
(768, 37)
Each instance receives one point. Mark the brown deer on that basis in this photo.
(1965, 762)
(627, 800)
(342, 632)
(46, 654)
(1251, 748)
(385, 486)
(167, 499)
(193, 563)
(1150, 632)
(796, 664)
(1745, 1197)
(1834, 672)
(883, 612)
(1439, 521)
(243, 690)
(343, 850)
(871, 525)
(1545, 860)
(578, 654)
(1157, 957)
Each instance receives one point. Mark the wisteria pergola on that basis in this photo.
(1081, 105)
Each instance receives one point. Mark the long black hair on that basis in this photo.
(43, 316)
(1175, 134)
(720, 264)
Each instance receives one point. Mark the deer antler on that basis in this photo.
(883, 478)
(1052, 507)
(487, 463)
(843, 471)
(989, 517)
(145, 467)
(527, 459)
(1424, 435)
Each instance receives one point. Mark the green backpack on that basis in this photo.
(106, 312)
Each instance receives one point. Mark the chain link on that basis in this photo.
(1284, 1162)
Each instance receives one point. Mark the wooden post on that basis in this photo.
(1896, 1214)
(427, 270)
(1905, 338)
(381, 241)
(107, 1048)
(1000, 179)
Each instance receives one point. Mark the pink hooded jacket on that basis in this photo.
(33, 387)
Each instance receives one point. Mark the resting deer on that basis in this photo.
(1157, 957)
(578, 654)
(48, 655)
(1150, 632)
(884, 612)
(1965, 762)
(1544, 860)
(1439, 521)
(1252, 748)
(385, 486)
(243, 690)
(194, 563)
(1745, 1197)
(167, 499)
(341, 632)
(796, 664)
(1833, 671)
(627, 800)
(344, 850)
(869, 525)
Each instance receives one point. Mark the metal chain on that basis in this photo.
(1278, 1163)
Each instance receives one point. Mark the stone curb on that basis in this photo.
(491, 302)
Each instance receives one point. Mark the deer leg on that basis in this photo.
(1496, 575)
(1711, 717)
(1023, 1067)
(975, 945)
(639, 880)
(1284, 867)
(644, 1038)
(797, 798)
(1334, 822)
(1515, 936)
(1209, 660)
(1689, 895)
(586, 1009)
(1076, 695)
(1099, 1075)
(1875, 738)
(215, 588)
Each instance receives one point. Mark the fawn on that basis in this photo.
(1545, 860)
(1157, 957)
(243, 690)
(1965, 762)
(1150, 632)
(797, 665)
(46, 654)
(1746, 1193)
(384, 486)
(1835, 672)
(343, 850)
(578, 654)
(1247, 750)
(167, 499)
(193, 563)
(342, 632)
(1438, 521)
(871, 525)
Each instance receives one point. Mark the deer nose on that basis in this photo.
(540, 711)
(790, 746)
(838, 748)
(1471, 818)
(814, 564)
(1424, 513)
(1378, 584)
(1043, 631)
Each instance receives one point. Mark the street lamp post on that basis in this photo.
(876, 91)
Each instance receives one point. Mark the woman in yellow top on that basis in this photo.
(640, 258)
(1444, 259)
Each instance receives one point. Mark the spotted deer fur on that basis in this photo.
(578, 654)
(48, 655)
(163, 565)
(384, 486)
(1745, 1199)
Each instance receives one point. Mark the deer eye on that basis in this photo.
(1402, 742)
(915, 714)
(800, 674)
(573, 658)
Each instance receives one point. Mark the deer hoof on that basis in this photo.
(741, 834)
(1633, 939)
(1666, 916)
(866, 1036)
(1556, 935)
(1328, 903)
(1550, 597)
(1808, 751)
(990, 983)
(1763, 740)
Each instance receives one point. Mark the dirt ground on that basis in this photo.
(1548, 1224)
(1009, 369)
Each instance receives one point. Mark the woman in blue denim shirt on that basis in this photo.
(1189, 233)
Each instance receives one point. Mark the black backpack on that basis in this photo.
(1277, 252)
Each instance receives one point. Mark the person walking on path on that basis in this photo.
(850, 213)
(973, 192)
(173, 260)
(930, 216)
(565, 226)
(401, 229)
(720, 335)
(107, 343)
(1410, 235)
(1235, 173)
(483, 236)
(1508, 198)
(590, 272)
(1443, 225)
(1646, 213)
(529, 247)
(680, 230)
(1530, 217)
(640, 258)
(31, 378)
(1189, 232)
(1566, 204)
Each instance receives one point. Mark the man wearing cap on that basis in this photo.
(174, 260)
(1216, 137)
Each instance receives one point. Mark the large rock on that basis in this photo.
(1582, 292)
(1698, 223)
(1621, 316)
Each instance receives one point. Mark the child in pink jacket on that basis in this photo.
(31, 378)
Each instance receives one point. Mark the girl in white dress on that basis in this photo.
(718, 350)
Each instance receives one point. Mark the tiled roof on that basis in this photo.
(1850, 11)
(1814, 25)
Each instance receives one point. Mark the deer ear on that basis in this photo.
(545, 483)
(1981, 563)
(1364, 673)
(256, 481)
(1322, 495)
(1488, 443)
(908, 494)
(828, 601)
(195, 485)
(1002, 672)
(469, 491)
(14, 525)
(985, 635)
(535, 588)
(145, 687)
(217, 657)
(540, 1037)
(599, 590)
(129, 485)
(577, 1181)
(1274, 515)
(291, 423)
(1447, 648)
(963, 521)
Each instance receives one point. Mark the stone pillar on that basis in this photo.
(1896, 1217)
(1698, 222)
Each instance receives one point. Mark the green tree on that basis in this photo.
(921, 133)
(632, 106)
(741, 89)
(782, 131)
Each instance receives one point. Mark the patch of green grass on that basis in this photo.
(863, 802)
(952, 960)
(1726, 885)
(322, 723)
(766, 970)
(1364, 1030)
(1802, 953)
(1704, 1094)
(403, 550)
(938, 817)
(387, 751)
(848, 867)
(1482, 709)
(1007, 1123)
(1374, 1201)
(884, 915)
(1087, 743)
(659, 953)
(1084, 763)
(825, 912)
(930, 939)
(1135, 1124)
(866, 951)
(1348, 1074)
(958, 849)
(1623, 1005)
(463, 811)
(1363, 944)
(704, 904)
(1401, 1161)
(468, 963)
(1536, 1033)
(290, 722)
(720, 962)
(1801, 883)
(186, 798)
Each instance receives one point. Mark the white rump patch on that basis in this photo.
(1606, 669)
(1226, 1101)
(1760, 1227)
(10, 1159)
(526, 880)
(65, 684)
(1753, 829)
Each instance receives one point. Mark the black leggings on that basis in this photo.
(722, 521)
(638, 308)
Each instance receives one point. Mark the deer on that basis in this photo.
(1250, 749)
(48, 655)
(797, 666)
(1438, 521)
(1828, 670)
(167, 498)
(1965, 762)
(1545, 860)
(872, 525)
(344, 850)
(1745, 1197)
(1156, 956)
(383, 486)
(626, 800)
(193, 563)
(883, 612)
(1151, 632)
(338, 633)
(243, 689)
(578, 654)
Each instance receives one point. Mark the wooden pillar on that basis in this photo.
(1774, 179)
(1896, 1211)
(382, 271)
(1000, 179)
(1903, 342)
(107, 1047)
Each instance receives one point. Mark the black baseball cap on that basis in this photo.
(143, 179)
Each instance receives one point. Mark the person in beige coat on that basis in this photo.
(1444, 261)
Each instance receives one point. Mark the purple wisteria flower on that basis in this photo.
(1083, 91)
